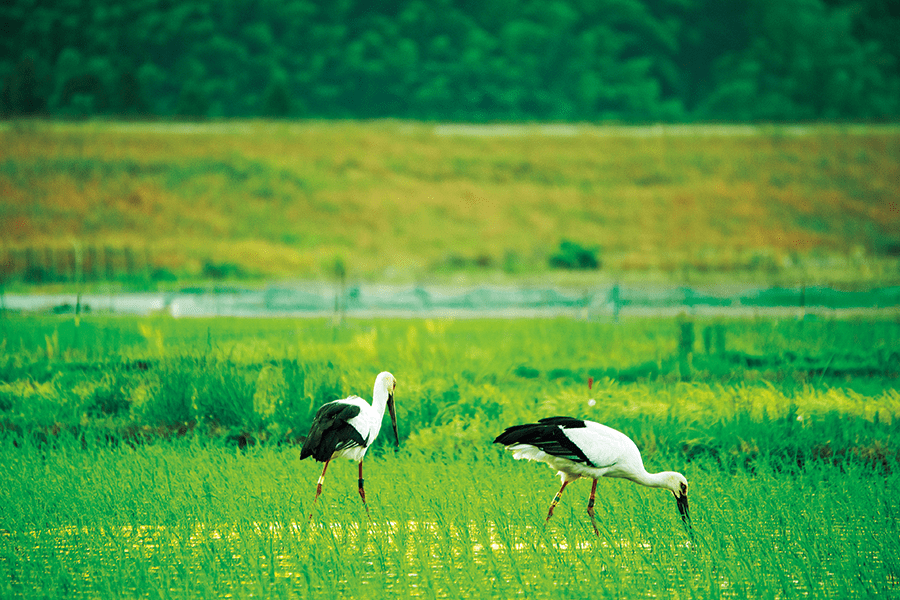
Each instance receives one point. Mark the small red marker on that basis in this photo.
(590, 382)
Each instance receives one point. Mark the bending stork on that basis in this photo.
(578, 448)
(348, 427)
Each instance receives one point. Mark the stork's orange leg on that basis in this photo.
(556, 500)
(590, 508)
(319, 485)
(362, 490)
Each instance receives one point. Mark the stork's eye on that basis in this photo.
(683, 489)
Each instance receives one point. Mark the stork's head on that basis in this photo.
(385, 383)
(679, 486)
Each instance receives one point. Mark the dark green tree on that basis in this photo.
(570, 60)
(803, 62)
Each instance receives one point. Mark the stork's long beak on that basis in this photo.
(392, 411)
(683, 509)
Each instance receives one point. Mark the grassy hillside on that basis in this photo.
(405, 201)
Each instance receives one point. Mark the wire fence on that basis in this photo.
(369, 300)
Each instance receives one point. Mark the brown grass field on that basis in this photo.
(407, 201)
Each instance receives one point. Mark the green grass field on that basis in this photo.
(188, 521)
(156, 458)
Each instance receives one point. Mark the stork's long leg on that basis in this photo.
(319, 485)
(556, 500)
(362, 490)
(590, 508)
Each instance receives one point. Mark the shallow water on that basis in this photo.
(415, 558)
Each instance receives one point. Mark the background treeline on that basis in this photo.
(472, 60)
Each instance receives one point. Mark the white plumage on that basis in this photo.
(576, 448)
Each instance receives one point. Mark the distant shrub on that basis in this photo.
(572, 255)
(456, 262)
(527, 372)
(163, 274)
(561, 374)
(222, 270)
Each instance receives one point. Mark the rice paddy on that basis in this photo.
(157, 458)
(199, 522)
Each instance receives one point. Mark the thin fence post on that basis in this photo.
(78, 272)
(109, 263)
(340, 298)
(615, 296)
(685, 346)
(30, 261)
(90, 263)
(69, 260)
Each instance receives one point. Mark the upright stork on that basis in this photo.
(348, 427)
(578, 448)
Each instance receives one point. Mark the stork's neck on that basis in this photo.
(656, 480)
(379, 398)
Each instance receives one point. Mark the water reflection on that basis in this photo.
(412, 557)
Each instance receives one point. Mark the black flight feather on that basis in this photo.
(330, 431)
(548, 436)
(566, 422)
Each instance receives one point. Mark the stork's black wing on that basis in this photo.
(547, 435)
(566, 422)
(331, 432)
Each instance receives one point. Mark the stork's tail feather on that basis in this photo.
(515, 434)
(529, 432)
(536, 440)
(319, 451)
(310, 444)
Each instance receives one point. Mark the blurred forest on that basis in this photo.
(458, 60)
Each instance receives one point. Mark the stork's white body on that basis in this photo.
(614, 452)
